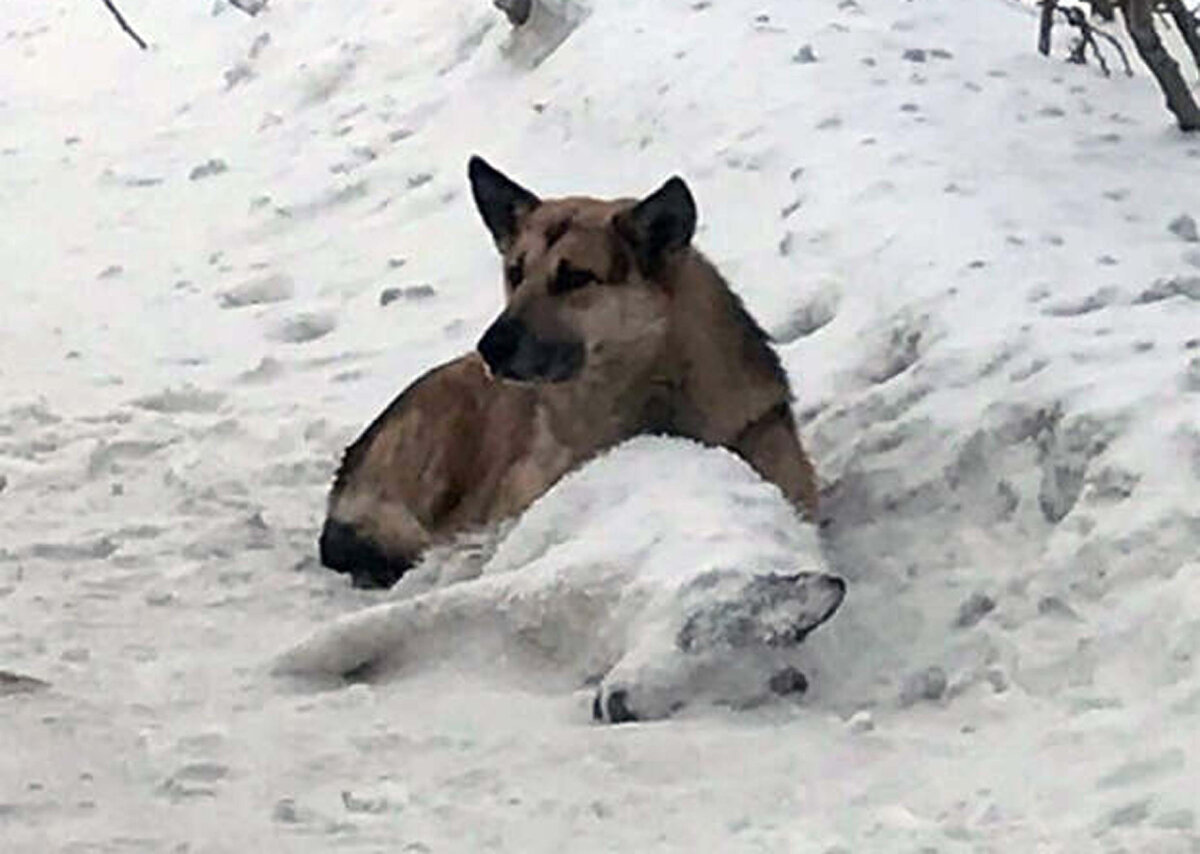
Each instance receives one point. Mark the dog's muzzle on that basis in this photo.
(514, 353)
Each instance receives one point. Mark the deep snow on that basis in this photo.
(962, 248)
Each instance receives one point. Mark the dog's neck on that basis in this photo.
(723, 375)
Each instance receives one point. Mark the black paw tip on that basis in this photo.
(617, 707)
(787, 682)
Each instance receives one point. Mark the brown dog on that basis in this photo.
(614, 326)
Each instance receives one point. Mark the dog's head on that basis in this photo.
(584, 278)
(774, 610)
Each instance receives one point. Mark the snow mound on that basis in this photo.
(665, 571)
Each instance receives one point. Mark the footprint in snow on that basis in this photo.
(264, 290)
(809, 317)
(899, 349)
(195, 780)
(1176, 286)
(267, 370)
(17, 683)
(99, 549)
(303, 328)
(110, 457)
(1100, 299)
(187, 398)
(1067, 446)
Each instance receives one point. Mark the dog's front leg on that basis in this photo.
(772, 448)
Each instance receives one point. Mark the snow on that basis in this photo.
(965, 250)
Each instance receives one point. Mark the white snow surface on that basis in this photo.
(961, 247)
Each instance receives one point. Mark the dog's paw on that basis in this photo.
(611, 706)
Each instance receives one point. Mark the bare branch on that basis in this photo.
(1046, 25)
(1078, 19)
(125, 24)
(1116, 46)
(1188, 26)
(1139, 20)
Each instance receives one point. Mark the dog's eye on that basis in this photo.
(568, 278)
(514, 273)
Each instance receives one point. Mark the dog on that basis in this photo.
(614, 326)
(663, 573)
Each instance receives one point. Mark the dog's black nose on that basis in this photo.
(499, 344)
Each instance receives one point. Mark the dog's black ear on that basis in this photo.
(501, 201)
(659, 224)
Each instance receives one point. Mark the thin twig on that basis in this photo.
(125, 24)
(1117, 46)
(1188, 26)
(1077, 18)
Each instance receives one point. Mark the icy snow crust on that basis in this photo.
(961, 248)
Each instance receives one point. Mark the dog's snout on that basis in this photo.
(500, 342)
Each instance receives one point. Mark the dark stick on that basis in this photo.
(1076, 18)
(125, 24)
(1120, 50)
(1188, 26)
(1139, 21)
(1047, 24)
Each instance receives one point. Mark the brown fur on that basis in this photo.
(656, 343)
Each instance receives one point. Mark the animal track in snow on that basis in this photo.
(195, 780)
(17, 683)
(107, 457)
(1096, 301)
(74, 551)
(1177, 286)
(897, 353)
(207, 169)
(303, 328)
(809, 317)
(1066, 448)
(267, 370)
(324, 81)
(187, 398)
(276, 287)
